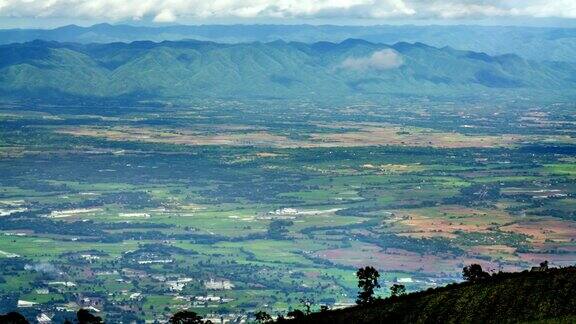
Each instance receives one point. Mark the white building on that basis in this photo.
(43, 319)
(218, 284)
(25, 304)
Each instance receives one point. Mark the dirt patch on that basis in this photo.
(444, 221)
(554, 258)
(363, 254)
(258, 138)
(492, 249)
(345, 135)
(383, 134)
(545, 230)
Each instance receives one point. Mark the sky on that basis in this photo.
(48, 13)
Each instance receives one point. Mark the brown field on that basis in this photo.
(554, 258)
(370, 134)
(542, 230)
(444, 221)
(345, 135)
(255, 138)
(493, 250)
(361, 254)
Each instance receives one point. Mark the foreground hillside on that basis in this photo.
(194, 69)
(542, 297)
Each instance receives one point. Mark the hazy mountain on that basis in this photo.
(276, 69)
(557, 44)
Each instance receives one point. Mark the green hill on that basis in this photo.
(353, 68)
(526, 297)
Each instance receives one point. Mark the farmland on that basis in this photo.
(229, 207)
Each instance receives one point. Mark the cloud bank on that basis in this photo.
(175, 10)
(381, 60)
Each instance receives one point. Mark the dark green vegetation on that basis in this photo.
(526, 297)
(367, 282)
(13, 318)
(186, 317)
(551, 44)
(229, 207)
(352, 69)
(83, 316)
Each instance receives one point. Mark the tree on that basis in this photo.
(544, 265)
(185, 317)
(83, 316)
(263, 317)
(307, 303)
(277, 229)
(296, 314)
(13, 318)
(474, 273)
(397, 290)
(367, 282)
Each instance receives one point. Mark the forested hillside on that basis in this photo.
(353, 68)
(537, 296)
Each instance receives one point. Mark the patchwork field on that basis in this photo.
(227, 208)
(344, 135)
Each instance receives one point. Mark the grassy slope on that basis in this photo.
(507, 298)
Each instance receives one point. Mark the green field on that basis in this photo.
(138, 212)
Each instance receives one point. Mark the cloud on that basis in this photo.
(165, 16)
(381, 60)
(174, 10)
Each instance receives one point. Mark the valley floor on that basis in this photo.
(230, 207)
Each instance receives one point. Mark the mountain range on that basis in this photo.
(352, 68)
(534, 43)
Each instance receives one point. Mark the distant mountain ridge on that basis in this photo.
(191, 69)
(534, 43)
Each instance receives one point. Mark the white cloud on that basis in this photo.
(172, 10)
(556, 8)
(381, 60)
(165, 16)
